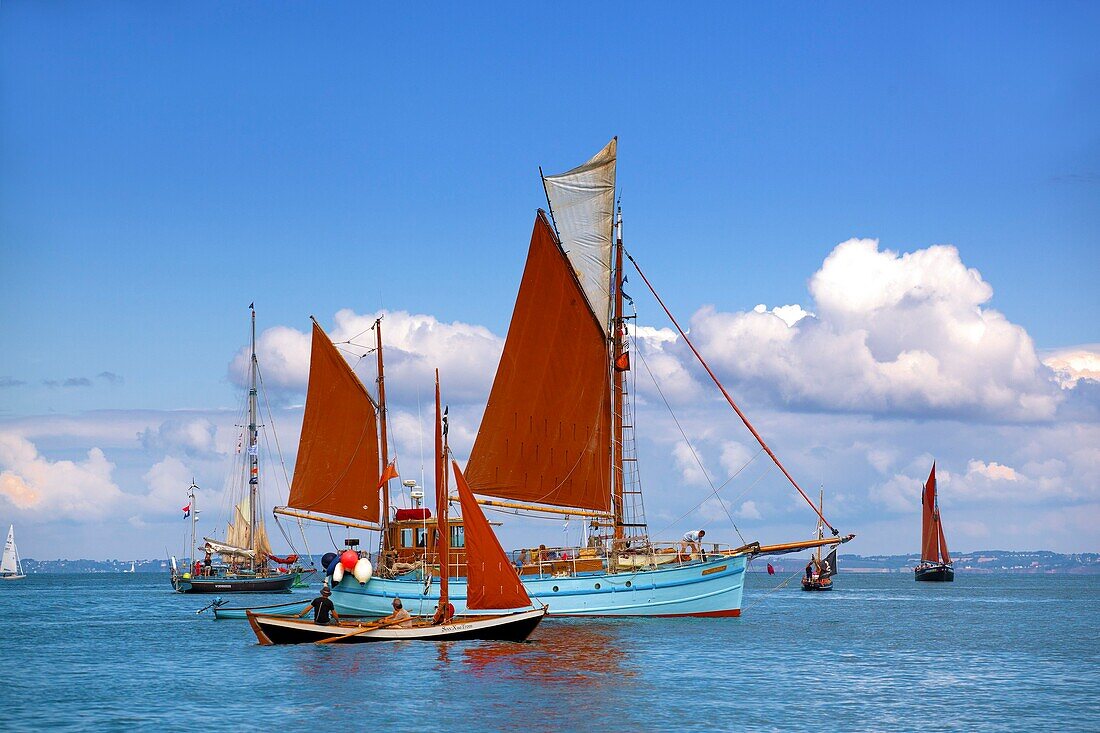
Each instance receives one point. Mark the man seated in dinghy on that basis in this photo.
(323, 611)
(444, 612)
(400, 615)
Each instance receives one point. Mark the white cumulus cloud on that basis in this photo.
(891, 333)
(80, 490)
(1071, 365)
(414, 346)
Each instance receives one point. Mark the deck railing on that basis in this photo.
(558, 562)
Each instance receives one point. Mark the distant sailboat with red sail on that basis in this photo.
(935, 562)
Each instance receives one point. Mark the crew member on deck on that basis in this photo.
(400, 615)
(810, 569)
(322, 608)
(692, 540)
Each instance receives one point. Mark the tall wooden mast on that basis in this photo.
(617, 376)
(385, 453)
(820, 526)
(253, 444)
(443, 529)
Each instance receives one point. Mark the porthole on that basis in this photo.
(555, 589)
(597, 586)
(628, 584)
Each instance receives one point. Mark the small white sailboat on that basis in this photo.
(10, 567)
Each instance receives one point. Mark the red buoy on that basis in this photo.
(348, 558)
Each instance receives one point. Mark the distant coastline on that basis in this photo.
(980, 561)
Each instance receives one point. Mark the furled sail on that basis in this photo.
(337, 468)
(929, 547)
(830, 563)
(491, 580)
(225, 548)
(237, 534)
(546, 433)
(582, 202)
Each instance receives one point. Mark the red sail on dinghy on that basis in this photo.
(491, 579)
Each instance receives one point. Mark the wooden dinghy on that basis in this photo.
(492, 583)
(518, 626)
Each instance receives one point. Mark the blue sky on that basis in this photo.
(164, 165)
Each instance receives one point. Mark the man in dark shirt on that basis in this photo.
(322, 608)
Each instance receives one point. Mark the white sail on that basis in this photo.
(10, 565)
(582, 203)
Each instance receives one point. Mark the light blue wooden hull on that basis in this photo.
(709, 588)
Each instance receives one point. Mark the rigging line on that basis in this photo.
(734, 500)
(328, 527)
(764, 597)
(368, 328)
(702, 468)
(516, 513)
(744, 419)
(282, 465)
(735, 474)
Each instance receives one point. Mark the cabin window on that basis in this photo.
(421, 537)
(458, 536)
(407, 538)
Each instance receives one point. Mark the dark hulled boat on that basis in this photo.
(247, 564)
(935, 562)
(820, 574)
(823, 578)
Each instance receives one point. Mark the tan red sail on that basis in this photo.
(928, 534)
(337, 467)
(546, 433)
(491, 579)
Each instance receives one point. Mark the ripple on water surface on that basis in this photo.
(986, 653)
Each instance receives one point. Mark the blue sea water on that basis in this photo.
(880, 653)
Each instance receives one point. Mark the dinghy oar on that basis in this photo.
(365, 629)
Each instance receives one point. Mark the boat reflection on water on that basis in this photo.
(562, 652)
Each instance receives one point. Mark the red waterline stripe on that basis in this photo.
(732, 613)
